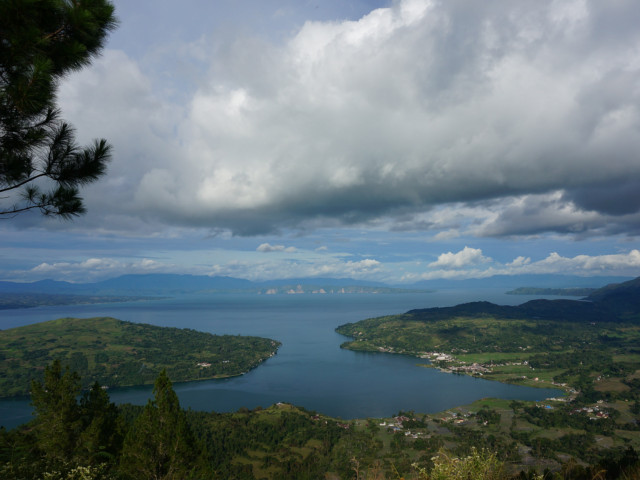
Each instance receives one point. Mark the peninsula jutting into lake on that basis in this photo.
(116, 353)
(591, 382)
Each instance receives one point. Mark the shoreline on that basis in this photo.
(456, 366)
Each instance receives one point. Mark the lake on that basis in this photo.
(310, 369)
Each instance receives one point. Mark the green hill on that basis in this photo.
(613, 303)
(118, 353)
(621, 298)
(536, 343)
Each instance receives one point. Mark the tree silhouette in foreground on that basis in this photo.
(161, 445)
(72, 430)
(41, 165)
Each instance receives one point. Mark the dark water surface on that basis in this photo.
(310, 369)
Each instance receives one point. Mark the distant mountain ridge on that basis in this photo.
(529, 280)
(168, 284)
(623, 298)
(563, 292)
(614, 302)
(171, 284)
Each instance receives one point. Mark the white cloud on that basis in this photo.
(266, 248)
(585, 264)
(452, 266)
(330, 267)
(413, 106)
(367, 263)
(94, 269)
(464, 258)
(446, 235)
(519, 261)
(350, 269)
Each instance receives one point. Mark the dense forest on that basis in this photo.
(593, 431)
(82, 435)
(594, 359)
(117, 353)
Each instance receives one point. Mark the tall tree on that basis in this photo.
(58, 422)
(161, 445)
(41, 41)
(68, 434)
(101, 438)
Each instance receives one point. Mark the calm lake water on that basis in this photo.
(310, 369)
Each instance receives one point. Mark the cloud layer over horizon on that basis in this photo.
(425, 139)
(464, 264)
(527, 113)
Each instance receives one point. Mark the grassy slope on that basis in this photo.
(486, 339)
(117, 353)
(603, 357)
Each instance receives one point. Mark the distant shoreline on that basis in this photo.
(10, 301)
(565, 292)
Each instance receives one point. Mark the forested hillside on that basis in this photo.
(87, 437)
(117, 353)
(588, 349)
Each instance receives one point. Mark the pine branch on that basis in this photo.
(24, 182)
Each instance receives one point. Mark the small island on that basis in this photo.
(117, 353)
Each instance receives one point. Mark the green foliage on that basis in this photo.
(408, 334)
(79, 472)
(117, 353)
(479, 465)
(101, 438)
(58, 422)
(279, 442)
(81, 437)
(70, 437)
(161, 445)
(598, 360)
(529, 351)
(488, 416)
(41, 41)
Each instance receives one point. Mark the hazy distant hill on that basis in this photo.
(611, 303)
(534, 309)
(172, 284)
(150, 284)
(563, 292)
(9, 300)
(514, 281)
(621, 298)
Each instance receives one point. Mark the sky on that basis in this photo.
(386, 140)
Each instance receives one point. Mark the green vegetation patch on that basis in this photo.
(117, 353)
(485, 336)
(593, 357)
(279, 442)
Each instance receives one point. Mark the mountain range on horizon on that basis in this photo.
(166, 284)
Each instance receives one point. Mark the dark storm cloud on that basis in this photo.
(617, 198)
(423, 104)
